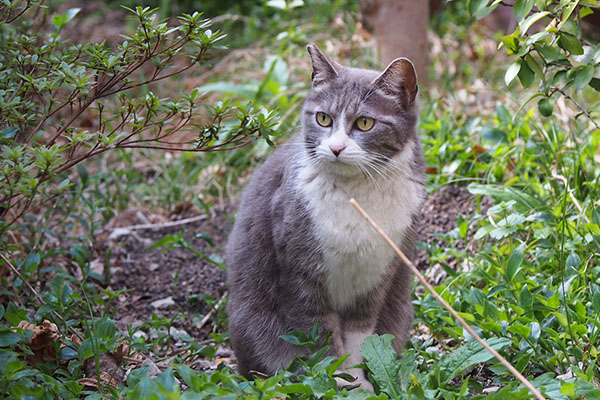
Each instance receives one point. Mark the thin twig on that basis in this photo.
(161, 225)
(212, 311)
(439, 298)
(573, 199)
(33, 291)
(583, 110)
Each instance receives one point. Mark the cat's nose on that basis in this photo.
(336, 149)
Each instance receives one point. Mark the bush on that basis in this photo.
(62, 103)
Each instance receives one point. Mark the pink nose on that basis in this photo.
(336, 149)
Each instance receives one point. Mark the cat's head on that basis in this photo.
(356, 119)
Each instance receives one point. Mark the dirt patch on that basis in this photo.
(438, 217)
(172, 282)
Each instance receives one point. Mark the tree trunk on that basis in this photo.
(400, 28)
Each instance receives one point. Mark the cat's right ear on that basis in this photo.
(324, 69)
(399, 79)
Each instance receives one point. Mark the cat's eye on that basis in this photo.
(365, 123)
(324, 119)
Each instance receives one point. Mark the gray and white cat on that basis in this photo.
(299, 253)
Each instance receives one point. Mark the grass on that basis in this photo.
(529, 282)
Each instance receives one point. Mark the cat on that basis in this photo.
(299, 253)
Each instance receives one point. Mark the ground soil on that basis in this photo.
(168, 283)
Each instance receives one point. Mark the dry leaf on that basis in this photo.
(163, 303)
(42, 341)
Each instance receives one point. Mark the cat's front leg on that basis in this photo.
(396, 314)
(354, 334)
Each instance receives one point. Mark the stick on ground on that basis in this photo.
(439, 298)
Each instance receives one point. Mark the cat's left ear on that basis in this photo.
(324, 69)
(399, 79)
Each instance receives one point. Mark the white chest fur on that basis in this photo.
(355, 258)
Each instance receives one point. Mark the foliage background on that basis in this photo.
(517, 125)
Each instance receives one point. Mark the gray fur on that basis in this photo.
(273, 250)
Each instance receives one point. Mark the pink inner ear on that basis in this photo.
(399, 76)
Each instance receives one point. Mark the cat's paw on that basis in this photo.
(359, 382)
(365, 384)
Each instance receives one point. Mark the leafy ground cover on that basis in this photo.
(116, 288)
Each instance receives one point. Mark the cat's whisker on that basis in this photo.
(368, 175)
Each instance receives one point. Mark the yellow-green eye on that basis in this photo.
(365, 123)
(324, 119)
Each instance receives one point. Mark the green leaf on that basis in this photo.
(465, 356)
(382, 362)
(67, 354)
(522, 8)
(32, 262)
(514, 262)
(583, 76)
(596, 302)
(476, 6)
(595, 83)
(493, 134)
(536, 331)
(526, 299)
(568, 389)
(512, 72)
(190, 377)
(168, 239)
(60, 20)
(167, 381)
(520, 329)
(524, 201)
(567, 11)
(296, 388)
(532, 19)
(8, 337)
(533, 64)
(573, 262)
(146, 388)
(512, 42)
(105, 328)
(9, 133)
(526, 75)
(570, 43)
(86, 349)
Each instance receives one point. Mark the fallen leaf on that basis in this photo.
(42, 341)
(163, 303)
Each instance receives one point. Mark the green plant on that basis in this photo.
(48, 86)
(557, 57)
